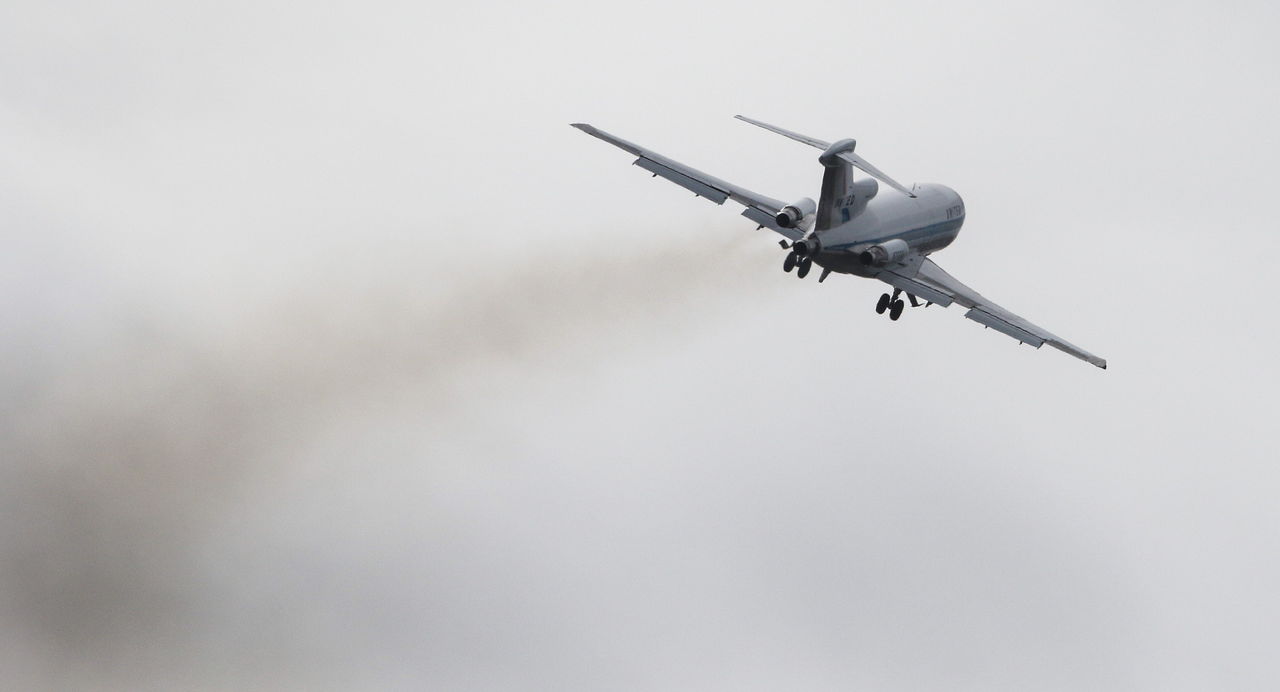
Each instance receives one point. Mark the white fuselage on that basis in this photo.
(927, 223)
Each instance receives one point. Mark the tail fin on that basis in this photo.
(844, 150)
(835, 202)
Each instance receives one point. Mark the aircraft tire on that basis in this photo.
(882, 304)
(895, 310)
(802, 269)
(789, 263)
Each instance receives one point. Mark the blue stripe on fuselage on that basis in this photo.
(913, 234)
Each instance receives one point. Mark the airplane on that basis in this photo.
(853, 230)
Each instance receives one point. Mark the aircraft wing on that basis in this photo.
(759, 208)
(930, 282)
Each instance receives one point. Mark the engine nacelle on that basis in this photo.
(809, 247)
(797, 214)
(887, 252)
(864, 190)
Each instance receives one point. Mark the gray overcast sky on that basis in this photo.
(333, 358)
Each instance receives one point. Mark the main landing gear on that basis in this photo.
(802, 265)
(894, 304)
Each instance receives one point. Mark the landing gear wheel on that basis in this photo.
(882, 304)
(789, 263)
(802, 269)
(895, 310)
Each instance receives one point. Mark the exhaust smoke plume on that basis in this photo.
(118, 464)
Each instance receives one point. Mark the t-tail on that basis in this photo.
(842, 197)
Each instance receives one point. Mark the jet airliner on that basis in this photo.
(852, 229)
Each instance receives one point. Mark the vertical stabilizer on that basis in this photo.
(835, 202)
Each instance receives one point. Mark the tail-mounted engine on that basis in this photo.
(864, 190)
(799, 215)
(885, 253)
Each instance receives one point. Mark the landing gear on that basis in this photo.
(803, 267)
(893, 304)
(801, 259)
(895, 309)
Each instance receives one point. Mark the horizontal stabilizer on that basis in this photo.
(861, 164)
(853, 159)
(811, 141)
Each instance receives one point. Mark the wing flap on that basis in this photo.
(693, 185)
(764, 218)
(916, 288)
(993, 321)
(690, 178)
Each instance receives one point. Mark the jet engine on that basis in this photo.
(885, 253)
(865, 190)
(807, 247)
(798, 214)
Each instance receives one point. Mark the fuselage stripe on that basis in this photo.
(948, 225)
